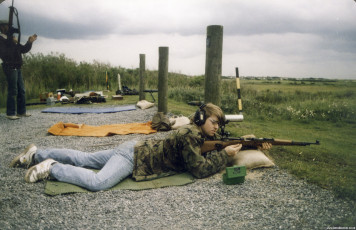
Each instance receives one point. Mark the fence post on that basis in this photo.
(119, 82)
(163, 79)
(142, 95)
(214, 42)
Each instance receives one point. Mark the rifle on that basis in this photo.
(226, 140)
(12, 30)
(249, 142)
(151, 91)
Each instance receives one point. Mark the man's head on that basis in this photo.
(209, 117)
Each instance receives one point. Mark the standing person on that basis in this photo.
(11, 55)
(145, 160)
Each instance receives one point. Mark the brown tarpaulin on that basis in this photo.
(70, 129)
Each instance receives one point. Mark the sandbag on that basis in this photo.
(178, 122)
(143, 104)
(252, 159)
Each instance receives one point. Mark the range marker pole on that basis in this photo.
(238, 90)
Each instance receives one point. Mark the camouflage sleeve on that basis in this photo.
(202, 166)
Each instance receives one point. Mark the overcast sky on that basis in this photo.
(294, 38)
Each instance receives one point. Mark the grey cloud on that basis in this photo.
(244, 24)
(58, 29)
(238, 18)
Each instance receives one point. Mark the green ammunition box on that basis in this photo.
(234, 175)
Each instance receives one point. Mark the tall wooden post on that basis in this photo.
(118, 81)
(163, 80)
(214, 44)
(238, 90)
(142, 95)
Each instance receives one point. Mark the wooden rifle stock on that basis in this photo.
(249, 142)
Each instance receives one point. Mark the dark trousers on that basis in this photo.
(15, 92)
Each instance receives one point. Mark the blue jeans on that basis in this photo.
(114, 164)
(15, 92)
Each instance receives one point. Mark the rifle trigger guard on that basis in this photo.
(218, 146)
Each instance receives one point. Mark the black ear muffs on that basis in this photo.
(200, 116)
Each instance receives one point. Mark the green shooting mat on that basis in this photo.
(54, 188)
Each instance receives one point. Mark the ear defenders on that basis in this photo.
(200, 116)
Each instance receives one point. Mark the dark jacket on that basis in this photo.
(180, 152)
(11, 53)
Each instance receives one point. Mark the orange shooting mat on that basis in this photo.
(71, 129)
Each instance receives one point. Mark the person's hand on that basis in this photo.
(265, 146)
(32, 38)
(232, 150)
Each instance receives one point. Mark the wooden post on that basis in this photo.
(142, 95)
(107, 80)
(163, 79)
(214, 42)
(238, 90)
(119, 81)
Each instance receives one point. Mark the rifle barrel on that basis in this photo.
(250, 142)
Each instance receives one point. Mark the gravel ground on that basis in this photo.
(269, 198)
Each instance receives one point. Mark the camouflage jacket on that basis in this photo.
(180, 152)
